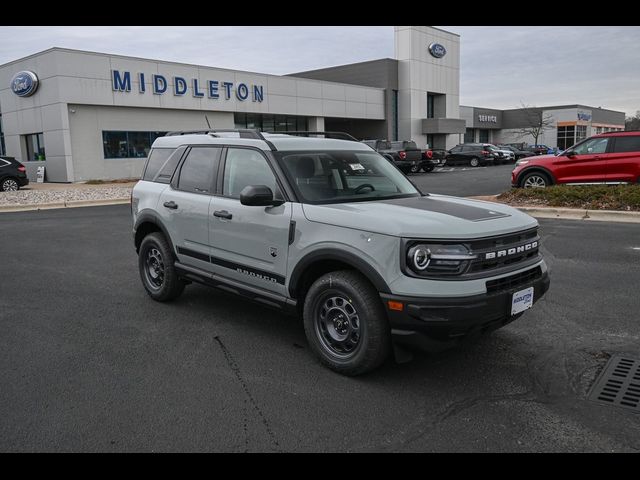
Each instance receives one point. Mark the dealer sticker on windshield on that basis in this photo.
(522, 301)
(356, 166)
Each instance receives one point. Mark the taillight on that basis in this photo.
(485, 153)
(429, 154)
(22, 169)
(402, 155)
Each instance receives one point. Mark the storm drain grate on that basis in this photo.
(619, 384)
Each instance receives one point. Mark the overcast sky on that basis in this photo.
(501, 67)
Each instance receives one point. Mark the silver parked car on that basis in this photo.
(329, 230)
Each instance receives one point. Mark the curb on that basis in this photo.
(578, 214)
(69, 204)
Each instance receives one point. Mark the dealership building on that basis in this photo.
(85, 115)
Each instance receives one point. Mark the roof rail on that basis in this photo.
(186, 132)
(336, 135)
(242, 132)
(618, 131)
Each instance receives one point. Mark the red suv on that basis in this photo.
(607, 158)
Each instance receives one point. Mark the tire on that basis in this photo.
(346, 324)
(9, 184)
(157, 272)
(474, 162)
(414, 169)
(428, 169)
(535, 180)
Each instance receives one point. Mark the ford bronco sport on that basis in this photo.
(329, 229)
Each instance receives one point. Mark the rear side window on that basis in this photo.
(157, 158)
(627, 144)
(196, 174)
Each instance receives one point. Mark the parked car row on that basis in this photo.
(407, 156)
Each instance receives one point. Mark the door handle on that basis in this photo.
(172, 205)
(222, 214)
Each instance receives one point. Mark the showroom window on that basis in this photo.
(566, 137)
(469, 135)
(431, 105)
(128, 144)
(483, 135)
(581, 132)
(2, 148)
(35, 147)
(270, 123)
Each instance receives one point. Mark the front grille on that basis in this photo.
(493, 245)
(513, 281)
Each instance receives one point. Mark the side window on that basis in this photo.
(627, 144)
(157, 158)
(166, 171)
(593, 146)
(456, 149)
(246, 167)
(196, 174)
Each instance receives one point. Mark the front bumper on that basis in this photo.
(434, 324)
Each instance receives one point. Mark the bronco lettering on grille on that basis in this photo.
(511, 251)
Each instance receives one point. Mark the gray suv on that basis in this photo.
(329, 230)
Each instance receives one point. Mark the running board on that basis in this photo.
(263, 297)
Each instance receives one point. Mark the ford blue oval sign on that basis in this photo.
(437, 50)
(24, 84)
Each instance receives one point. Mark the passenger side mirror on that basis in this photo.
(259, 196)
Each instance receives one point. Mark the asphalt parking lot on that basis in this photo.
(465, 181)
(89, 363)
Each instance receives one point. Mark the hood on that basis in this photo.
(433, 216)
(541, 158)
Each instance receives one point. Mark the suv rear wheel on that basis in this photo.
(159, 276)
(345, 323)
(474, 162)
(9, 185)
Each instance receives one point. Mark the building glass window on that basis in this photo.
(469, 135)
(581, 132)
(2, 147)
(128, 144)
(430, 140)
(483, 135)
(394, 108)
(271, 123)
(431, 109)
(566, 137)
(35, 147)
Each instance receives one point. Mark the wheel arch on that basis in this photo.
(147, 223)
(536, 168)
(317, 263)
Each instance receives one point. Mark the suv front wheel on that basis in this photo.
(345, 323)
(158, 274)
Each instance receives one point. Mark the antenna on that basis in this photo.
(207, 119)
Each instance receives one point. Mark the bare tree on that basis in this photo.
(536, 123)
(633, 123)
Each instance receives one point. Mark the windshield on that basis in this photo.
(344, 176)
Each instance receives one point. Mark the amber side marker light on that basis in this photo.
(398, 306)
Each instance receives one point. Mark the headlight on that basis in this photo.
(521, 162)
(435, 259)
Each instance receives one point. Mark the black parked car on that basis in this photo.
(473, 154)
(517, 151)
(405, 154)
(13, 174)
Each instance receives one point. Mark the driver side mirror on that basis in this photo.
(259, 196)
(571, 154)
